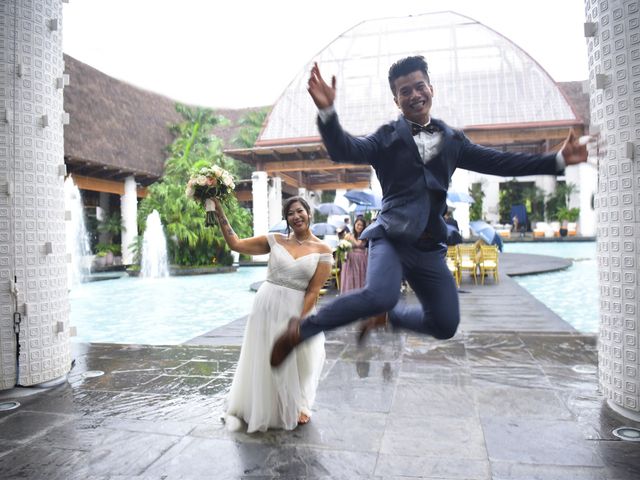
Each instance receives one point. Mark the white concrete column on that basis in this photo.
(260, 194)
(33, 259)
(615, 109)
(302, 192)
(129, 218)
(274, 188)
(101, 213)
(491, 201)
(460, 183)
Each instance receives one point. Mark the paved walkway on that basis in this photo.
(513, 396)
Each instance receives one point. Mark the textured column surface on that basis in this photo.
(32, 213)
(260, 207)
(614, 64)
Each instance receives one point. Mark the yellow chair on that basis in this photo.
(452, 263)
(467, 260)
(488, 261)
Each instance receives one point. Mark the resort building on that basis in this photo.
(484, 84)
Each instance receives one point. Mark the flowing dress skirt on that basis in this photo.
(273, 398)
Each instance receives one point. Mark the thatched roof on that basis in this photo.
(578, 95)
(117, 130)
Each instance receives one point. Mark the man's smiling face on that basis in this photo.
(413, 94)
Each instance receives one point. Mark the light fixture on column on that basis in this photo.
(65, 118)
(52, 24)
(629, 148)
(6, 115)
(602, 80)
(19, 70)
(44, 121)
(62, 170)
(590, 29)
(6, 188)
(48, 248)
(62, 81)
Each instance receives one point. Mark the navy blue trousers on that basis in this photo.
(426, 271)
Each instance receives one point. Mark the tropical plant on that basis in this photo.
(250, 125)
(558, 202)
(189, 241)
(564, 214)
(475, 209)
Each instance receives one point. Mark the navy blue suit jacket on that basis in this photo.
(414, 194)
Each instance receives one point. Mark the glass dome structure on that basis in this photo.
(480, 78)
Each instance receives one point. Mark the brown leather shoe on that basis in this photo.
(371, 324)
(286, 342)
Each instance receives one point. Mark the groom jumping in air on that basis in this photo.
(414, 158)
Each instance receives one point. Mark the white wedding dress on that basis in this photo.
(273, 398)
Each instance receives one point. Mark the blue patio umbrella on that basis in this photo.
(486, 232)
(461, 197)
(331, 209)
(280, 227)
(322, 229)
(366, 198)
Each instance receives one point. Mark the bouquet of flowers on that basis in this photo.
(344, 247)
(209, 183)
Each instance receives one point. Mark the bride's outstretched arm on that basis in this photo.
(250, 246)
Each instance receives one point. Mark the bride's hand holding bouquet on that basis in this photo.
(209, 184)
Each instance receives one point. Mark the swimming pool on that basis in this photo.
(573, 293)
(164, 311)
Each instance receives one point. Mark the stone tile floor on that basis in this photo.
(513, 396)
(483, 405)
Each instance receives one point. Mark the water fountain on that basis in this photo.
(154, 263)
(77, 239)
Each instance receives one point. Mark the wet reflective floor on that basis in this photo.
(486, 404)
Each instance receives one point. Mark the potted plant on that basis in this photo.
(566, 215)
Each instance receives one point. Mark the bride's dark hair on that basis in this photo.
(287, 204)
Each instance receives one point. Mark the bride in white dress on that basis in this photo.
(299, 265)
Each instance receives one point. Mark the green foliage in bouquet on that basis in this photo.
(189, 241)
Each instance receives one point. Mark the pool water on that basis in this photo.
(573, 294)
(164, 311)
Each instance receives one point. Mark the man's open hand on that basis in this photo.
(323, 95)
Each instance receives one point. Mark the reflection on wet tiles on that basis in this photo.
(446, 353)
(435, 374)
(496, 356)
(520, 402)
(353, 431)
(536, 441)
(493, 340)
(622, 459)
(427, 400)
(401, 466)
(50, 463)
(23, 426)
(175, 385)
(203, 368)
(570, 350)
(372, 351)
(217, 387)
(524, 376)
(78, 433)
(364, 393)
(125, 381)
(421, 436)
(232, 459)
(519, 471)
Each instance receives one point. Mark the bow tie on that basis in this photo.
(416, 129)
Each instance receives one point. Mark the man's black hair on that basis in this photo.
(405, 66)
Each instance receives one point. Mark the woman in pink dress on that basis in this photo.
(354, 269)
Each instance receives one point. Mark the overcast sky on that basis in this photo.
(180, 48)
